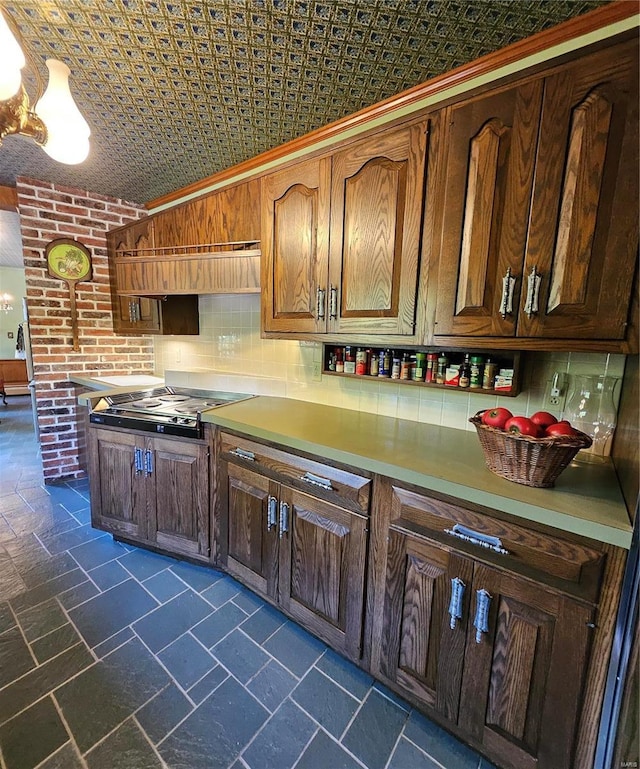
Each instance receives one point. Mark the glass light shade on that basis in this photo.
(591, 409)
(11, 61)
(68, 132)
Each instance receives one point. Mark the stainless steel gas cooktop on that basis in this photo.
(165, 410)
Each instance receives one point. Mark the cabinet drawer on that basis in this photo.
(561, 563)
(340, 486)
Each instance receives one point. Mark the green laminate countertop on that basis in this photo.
(99, 382)
(586, 499)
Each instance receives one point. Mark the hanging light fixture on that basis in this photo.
(55, 123)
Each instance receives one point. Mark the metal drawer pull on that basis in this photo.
(533, 293)
(506, 302)
(284, 519)
(137, 460)
(242, 454)
(272, 512)
(317, 480)
(320, 303)
(455, 604)
(477, 538)
(148, 466)
(481, 620)
(333, 303)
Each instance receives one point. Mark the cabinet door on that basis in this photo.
(583, 237)
(523, 678)
(376, 215)
(118, 500)
(177, 475)
(136, 315)
(486, 179)
(251, 540)
(415, 646)
(322, 564)
(295, 247)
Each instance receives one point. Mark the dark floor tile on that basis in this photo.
(240, 655)
(221, 592)
(126, 748)
(386, 692)
(345, 673)
(7, 619)
(208, 684)
(272, 685)
(103, 696)
(186, 660)
(171, 620)
(78, 594)
(70, 498)
(282, 739)
(48, 590)
(106, 647)
(44, 569)
(164, 586)
(249, 602)
(15, 657)
(109, 612)
(438, 744)
(331, 707)
(41, 619)
(197, 577)
(219, 624)
(83, 516)
(96, 552)
(109, 575)
(407, 756)
(374, 731)
(71, 539)
(143, 564)
(65, 758)
(11, 583)
(20, 747)
(43, 679)
(323, 752)
(55, 642)
(165, 711)
(213, 735)
(294, 648)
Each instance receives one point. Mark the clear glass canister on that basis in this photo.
(591, 409)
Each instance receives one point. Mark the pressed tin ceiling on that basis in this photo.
(176, 91)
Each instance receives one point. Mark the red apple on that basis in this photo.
(522, 426)
(560, 429)
(543, 419)
(496, 417)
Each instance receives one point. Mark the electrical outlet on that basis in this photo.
(556, 392)
(316, 371)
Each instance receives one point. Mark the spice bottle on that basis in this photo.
(349, 360)
(339, 360)
(465, 372)
(374, 363)
(395, 368)
(432, 367)
(475, 382)
(385, 363)
(441, 372)
(489, 375)
(361, 361)
(421, 366)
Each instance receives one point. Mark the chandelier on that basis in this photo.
(55, 123)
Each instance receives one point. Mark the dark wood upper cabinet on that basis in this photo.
(341, 239)
(538, 239)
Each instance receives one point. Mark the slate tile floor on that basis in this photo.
(116, 658)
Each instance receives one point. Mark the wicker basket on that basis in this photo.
(522, 459)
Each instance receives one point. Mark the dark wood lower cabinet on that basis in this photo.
(303, 552)
(498, 656)
(151, 490)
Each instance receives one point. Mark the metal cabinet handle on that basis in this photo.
(284, 519)
(272, 512)
(148, 462)
(333, 302)
(320, 303)
(533, 293)
(481, 620)
(508, 286)
(477, 538)
(317, 480)
(131, 318)
(243, 454)
(455, 604)
(137, 460)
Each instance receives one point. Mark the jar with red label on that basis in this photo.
(432, 367)
(361, 361)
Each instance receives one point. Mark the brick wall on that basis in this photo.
(48, 212)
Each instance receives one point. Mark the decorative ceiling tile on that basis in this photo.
(176, 91)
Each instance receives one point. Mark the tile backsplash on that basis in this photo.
(230, 344)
